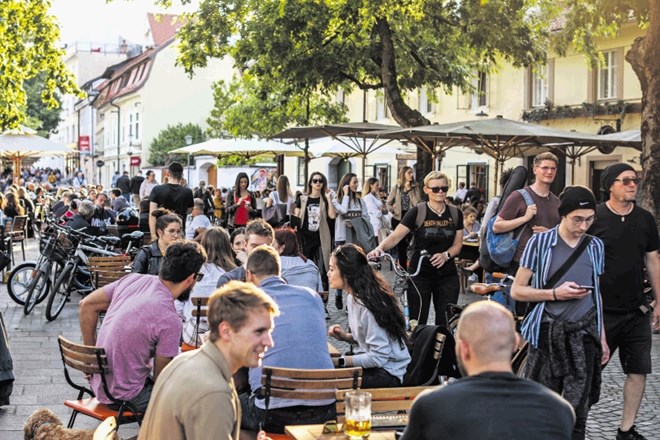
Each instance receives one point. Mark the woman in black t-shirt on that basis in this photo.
(441, 234)
(316, 212)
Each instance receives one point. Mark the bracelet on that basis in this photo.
(554, 294)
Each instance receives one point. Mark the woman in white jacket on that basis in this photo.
(348, 205)
(375, 206)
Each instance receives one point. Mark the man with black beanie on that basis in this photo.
(631, 243)
(565, 329)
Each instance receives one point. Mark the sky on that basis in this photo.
(96, 21)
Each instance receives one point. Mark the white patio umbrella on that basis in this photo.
(247, 148)
(19, 144)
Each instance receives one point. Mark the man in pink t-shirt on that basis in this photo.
(141, 329)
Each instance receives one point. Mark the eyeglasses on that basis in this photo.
(548, 169)
(577, 220)
(317, 180)
(437, 189)
(628, 180)
(173, 231)
(199, 277)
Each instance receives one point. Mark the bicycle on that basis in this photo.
(74, 273)
(54, 246)
(403, 274)
(519, 359)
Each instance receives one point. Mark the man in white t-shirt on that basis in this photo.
(196, 222)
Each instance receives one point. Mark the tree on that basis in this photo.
(307, 46)
(246, 108)
(40, 116)
(28, 38)
(171, 138)
(588, 20)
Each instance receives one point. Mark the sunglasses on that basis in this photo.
(437, 189)
(317, 180)
(199, 277)
(628, 180)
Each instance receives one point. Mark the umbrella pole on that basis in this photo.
(306, 150)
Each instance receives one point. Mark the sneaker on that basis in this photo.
(631, 434)
(339, 301)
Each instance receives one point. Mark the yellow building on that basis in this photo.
(565, 94)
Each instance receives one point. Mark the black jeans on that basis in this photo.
(378, 378)
(442, 287)
(276, 419)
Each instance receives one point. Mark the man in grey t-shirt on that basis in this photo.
(567, 344)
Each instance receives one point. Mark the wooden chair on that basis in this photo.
(105, 270)
(292, 383)
(383, 400)
(92, 360)
(201, 310)
(16, 232)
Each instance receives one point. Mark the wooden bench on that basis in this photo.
(383, 400)
(106, 270)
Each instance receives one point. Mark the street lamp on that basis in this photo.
(188, 139)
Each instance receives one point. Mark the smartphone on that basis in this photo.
(586, 287)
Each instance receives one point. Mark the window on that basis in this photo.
(137, 126)
(300, 181)
(608, 76)
(381, 107)
(540, 84)
(424, 104)
(480, 94)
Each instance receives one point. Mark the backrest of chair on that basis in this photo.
(85, 358)
(200, 304)
(19, 224)
(105, 270)
(292, 383)
(383, 399)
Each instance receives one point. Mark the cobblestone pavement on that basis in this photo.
(40, 380)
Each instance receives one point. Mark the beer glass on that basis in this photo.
(358, 414)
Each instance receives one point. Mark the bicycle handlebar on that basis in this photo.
(402, 272)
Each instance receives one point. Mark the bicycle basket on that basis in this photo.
(58, 246)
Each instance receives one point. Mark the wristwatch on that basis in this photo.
(341, 362)
(448, 256)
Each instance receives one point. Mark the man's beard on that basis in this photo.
(185, 295)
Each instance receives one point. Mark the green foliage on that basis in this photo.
(295, 47)
(246, 108)
(235, 161)
(40, 116)
(584, 22)
(28, 38)
(171, 138)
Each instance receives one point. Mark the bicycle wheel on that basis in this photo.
(19, 281)
(34, 290)
(60, 292)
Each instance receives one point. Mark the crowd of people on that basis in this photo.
(267, 261)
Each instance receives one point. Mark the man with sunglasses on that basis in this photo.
(565, 328)
(631, 243)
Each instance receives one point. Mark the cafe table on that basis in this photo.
(313, 432)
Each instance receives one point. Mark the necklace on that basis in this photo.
(438, 213)
(624, 214)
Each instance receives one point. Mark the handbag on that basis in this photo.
(275, 214)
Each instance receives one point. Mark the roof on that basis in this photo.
(125, 77)
(163, 27)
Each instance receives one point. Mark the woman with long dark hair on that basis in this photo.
(297, 269)
(168, 229)
(374, 316)
(282, 195)
(315, 213)
(219, 259)
(241, 202)
(404, 195)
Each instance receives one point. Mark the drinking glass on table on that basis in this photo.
(358, 414)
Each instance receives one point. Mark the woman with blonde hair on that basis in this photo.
(404, 195)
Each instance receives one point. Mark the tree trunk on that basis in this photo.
(402, 113)
(643, 58)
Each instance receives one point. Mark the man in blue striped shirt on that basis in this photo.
(566, 337)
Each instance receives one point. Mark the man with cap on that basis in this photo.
(565, 329)
(630, 235)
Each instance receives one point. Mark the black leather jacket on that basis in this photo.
(148, 259)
